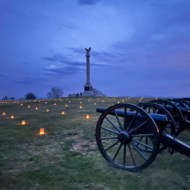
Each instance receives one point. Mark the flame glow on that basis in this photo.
(42, 131)
(87, 116)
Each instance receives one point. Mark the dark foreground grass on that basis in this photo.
(67, 156)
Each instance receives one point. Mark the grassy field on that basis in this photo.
(66, 157)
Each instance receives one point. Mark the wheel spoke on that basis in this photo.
(138, 127)
(117, 151)
(146, 142)
(106, 138)
(111, 146)
(138, 151)
(132, 121)
(142, 135)
(176, 115)
(121, 127)
(110, 130)
(124, 155)
(113, 124)
(140, 140)
(143, 144)
(130, 151)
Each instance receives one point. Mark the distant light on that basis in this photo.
(81, 107)
(66, 105)
(47, 110)
(36, 108)
(87, 116)
(12, 116)
(42, 131)
(23, 122)
(55, 104)
(62, 113)
(29, 106)
(3, 113)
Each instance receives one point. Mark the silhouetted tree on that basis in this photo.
(30, 96)
(5, 98)
(55, 93)
(8, 98)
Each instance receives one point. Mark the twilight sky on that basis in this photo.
(139, 47)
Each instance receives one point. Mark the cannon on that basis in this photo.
(129, 136)
(179, 110)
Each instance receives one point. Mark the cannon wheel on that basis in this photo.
(169, 128)
(187, 100)
(120, 139)
(180, 102)
(151, 107)
(184, 104)
(174, 111)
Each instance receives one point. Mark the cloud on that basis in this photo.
(62, 71)
(80, 51)
(49, 58)
(63, 65)
(88, 2)
(52, 67)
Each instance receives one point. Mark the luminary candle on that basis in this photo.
(87, 116)
(12, 116)
(42, 131)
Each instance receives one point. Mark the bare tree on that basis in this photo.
(55, 92)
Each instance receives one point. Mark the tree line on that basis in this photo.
(54, 92)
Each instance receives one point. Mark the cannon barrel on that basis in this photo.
(154, 116)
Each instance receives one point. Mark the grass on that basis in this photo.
(67, 156)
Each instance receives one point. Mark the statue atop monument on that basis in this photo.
(88, 50)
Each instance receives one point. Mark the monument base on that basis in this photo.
(87, 87)
(88, 93)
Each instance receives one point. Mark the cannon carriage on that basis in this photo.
(130, 136)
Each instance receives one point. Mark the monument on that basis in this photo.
(88, 91)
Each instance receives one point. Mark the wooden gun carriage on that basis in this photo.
(130, 136)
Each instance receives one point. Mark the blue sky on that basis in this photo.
(139, 47)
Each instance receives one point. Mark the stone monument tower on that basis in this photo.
(88, 87)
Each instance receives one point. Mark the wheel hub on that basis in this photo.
(124, 137)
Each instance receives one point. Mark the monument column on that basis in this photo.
(88, 86)
(87, 66)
